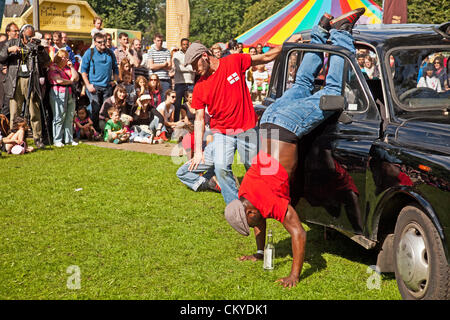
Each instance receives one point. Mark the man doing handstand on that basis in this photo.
(264, 191)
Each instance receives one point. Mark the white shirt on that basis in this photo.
(163, 110)
(182, 74)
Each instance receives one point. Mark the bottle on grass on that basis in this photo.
(269, 253)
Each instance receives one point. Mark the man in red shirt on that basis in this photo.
(223, 90)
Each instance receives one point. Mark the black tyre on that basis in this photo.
(421, 268)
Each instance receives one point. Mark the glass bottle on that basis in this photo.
(269, 252)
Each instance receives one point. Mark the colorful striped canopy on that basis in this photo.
(303, 15)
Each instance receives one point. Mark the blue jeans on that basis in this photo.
(166, 84)
(154, 125)
(62, 119)
(96, 101)
(297, 110)
(219, 155)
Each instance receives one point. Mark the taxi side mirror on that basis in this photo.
(332, 103)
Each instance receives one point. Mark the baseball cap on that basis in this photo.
(236, 217)
(195, 50)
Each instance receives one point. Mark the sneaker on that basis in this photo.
(137, 139)
(213, 185)
(73, 143)
(163, 136)
(347, 20)
(116, 141)
(325, 21)
(39, 144)
(157, 140)
(57, 144)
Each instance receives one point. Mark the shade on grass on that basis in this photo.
(136, 232)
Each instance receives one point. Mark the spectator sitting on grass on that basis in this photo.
(117, 100)
(141, 86)
(84, 127)
(167, 110)
(127, 82)
(15, 142)
(154, 86)
(143, 114)
(113, 128)
(186, 123)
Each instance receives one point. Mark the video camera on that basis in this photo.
(33, 47)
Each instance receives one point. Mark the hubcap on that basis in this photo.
(412, 260)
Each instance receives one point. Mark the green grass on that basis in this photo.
(136, 232)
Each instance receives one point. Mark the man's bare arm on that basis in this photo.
(273, 53)
(260, 237)
(298, 237)
(157, 66)
(199, 130)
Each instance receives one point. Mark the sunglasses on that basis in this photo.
(48, 39)
(173, 97)
(100, 42)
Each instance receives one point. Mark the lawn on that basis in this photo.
(133, 231)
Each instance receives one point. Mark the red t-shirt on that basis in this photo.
(266, 186)
(226, 95)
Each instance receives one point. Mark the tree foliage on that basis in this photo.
(434, 11)
(147, 16)
(216, 20)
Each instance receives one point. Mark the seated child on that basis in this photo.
(260, 82)
(15, 142)
(127, 82)
(113, 128)
(141, 86)
(84, 127)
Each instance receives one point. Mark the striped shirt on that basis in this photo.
(158, 57)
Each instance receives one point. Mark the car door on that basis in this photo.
(334, 157)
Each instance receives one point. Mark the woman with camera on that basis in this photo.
(61, 76)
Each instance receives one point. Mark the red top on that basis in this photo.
(266, 186)
(226, 95)
(64, 73)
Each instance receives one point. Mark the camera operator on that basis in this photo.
(24, 57)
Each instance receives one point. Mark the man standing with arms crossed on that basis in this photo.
(160, 62)
(223, 90)
(184, 76)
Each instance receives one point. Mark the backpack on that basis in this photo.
(108, 51)
(4, 125)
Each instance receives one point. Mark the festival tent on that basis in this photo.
(303, 15)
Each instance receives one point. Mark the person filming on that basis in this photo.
(23, 57)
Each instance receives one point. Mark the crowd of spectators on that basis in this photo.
(113, 94)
